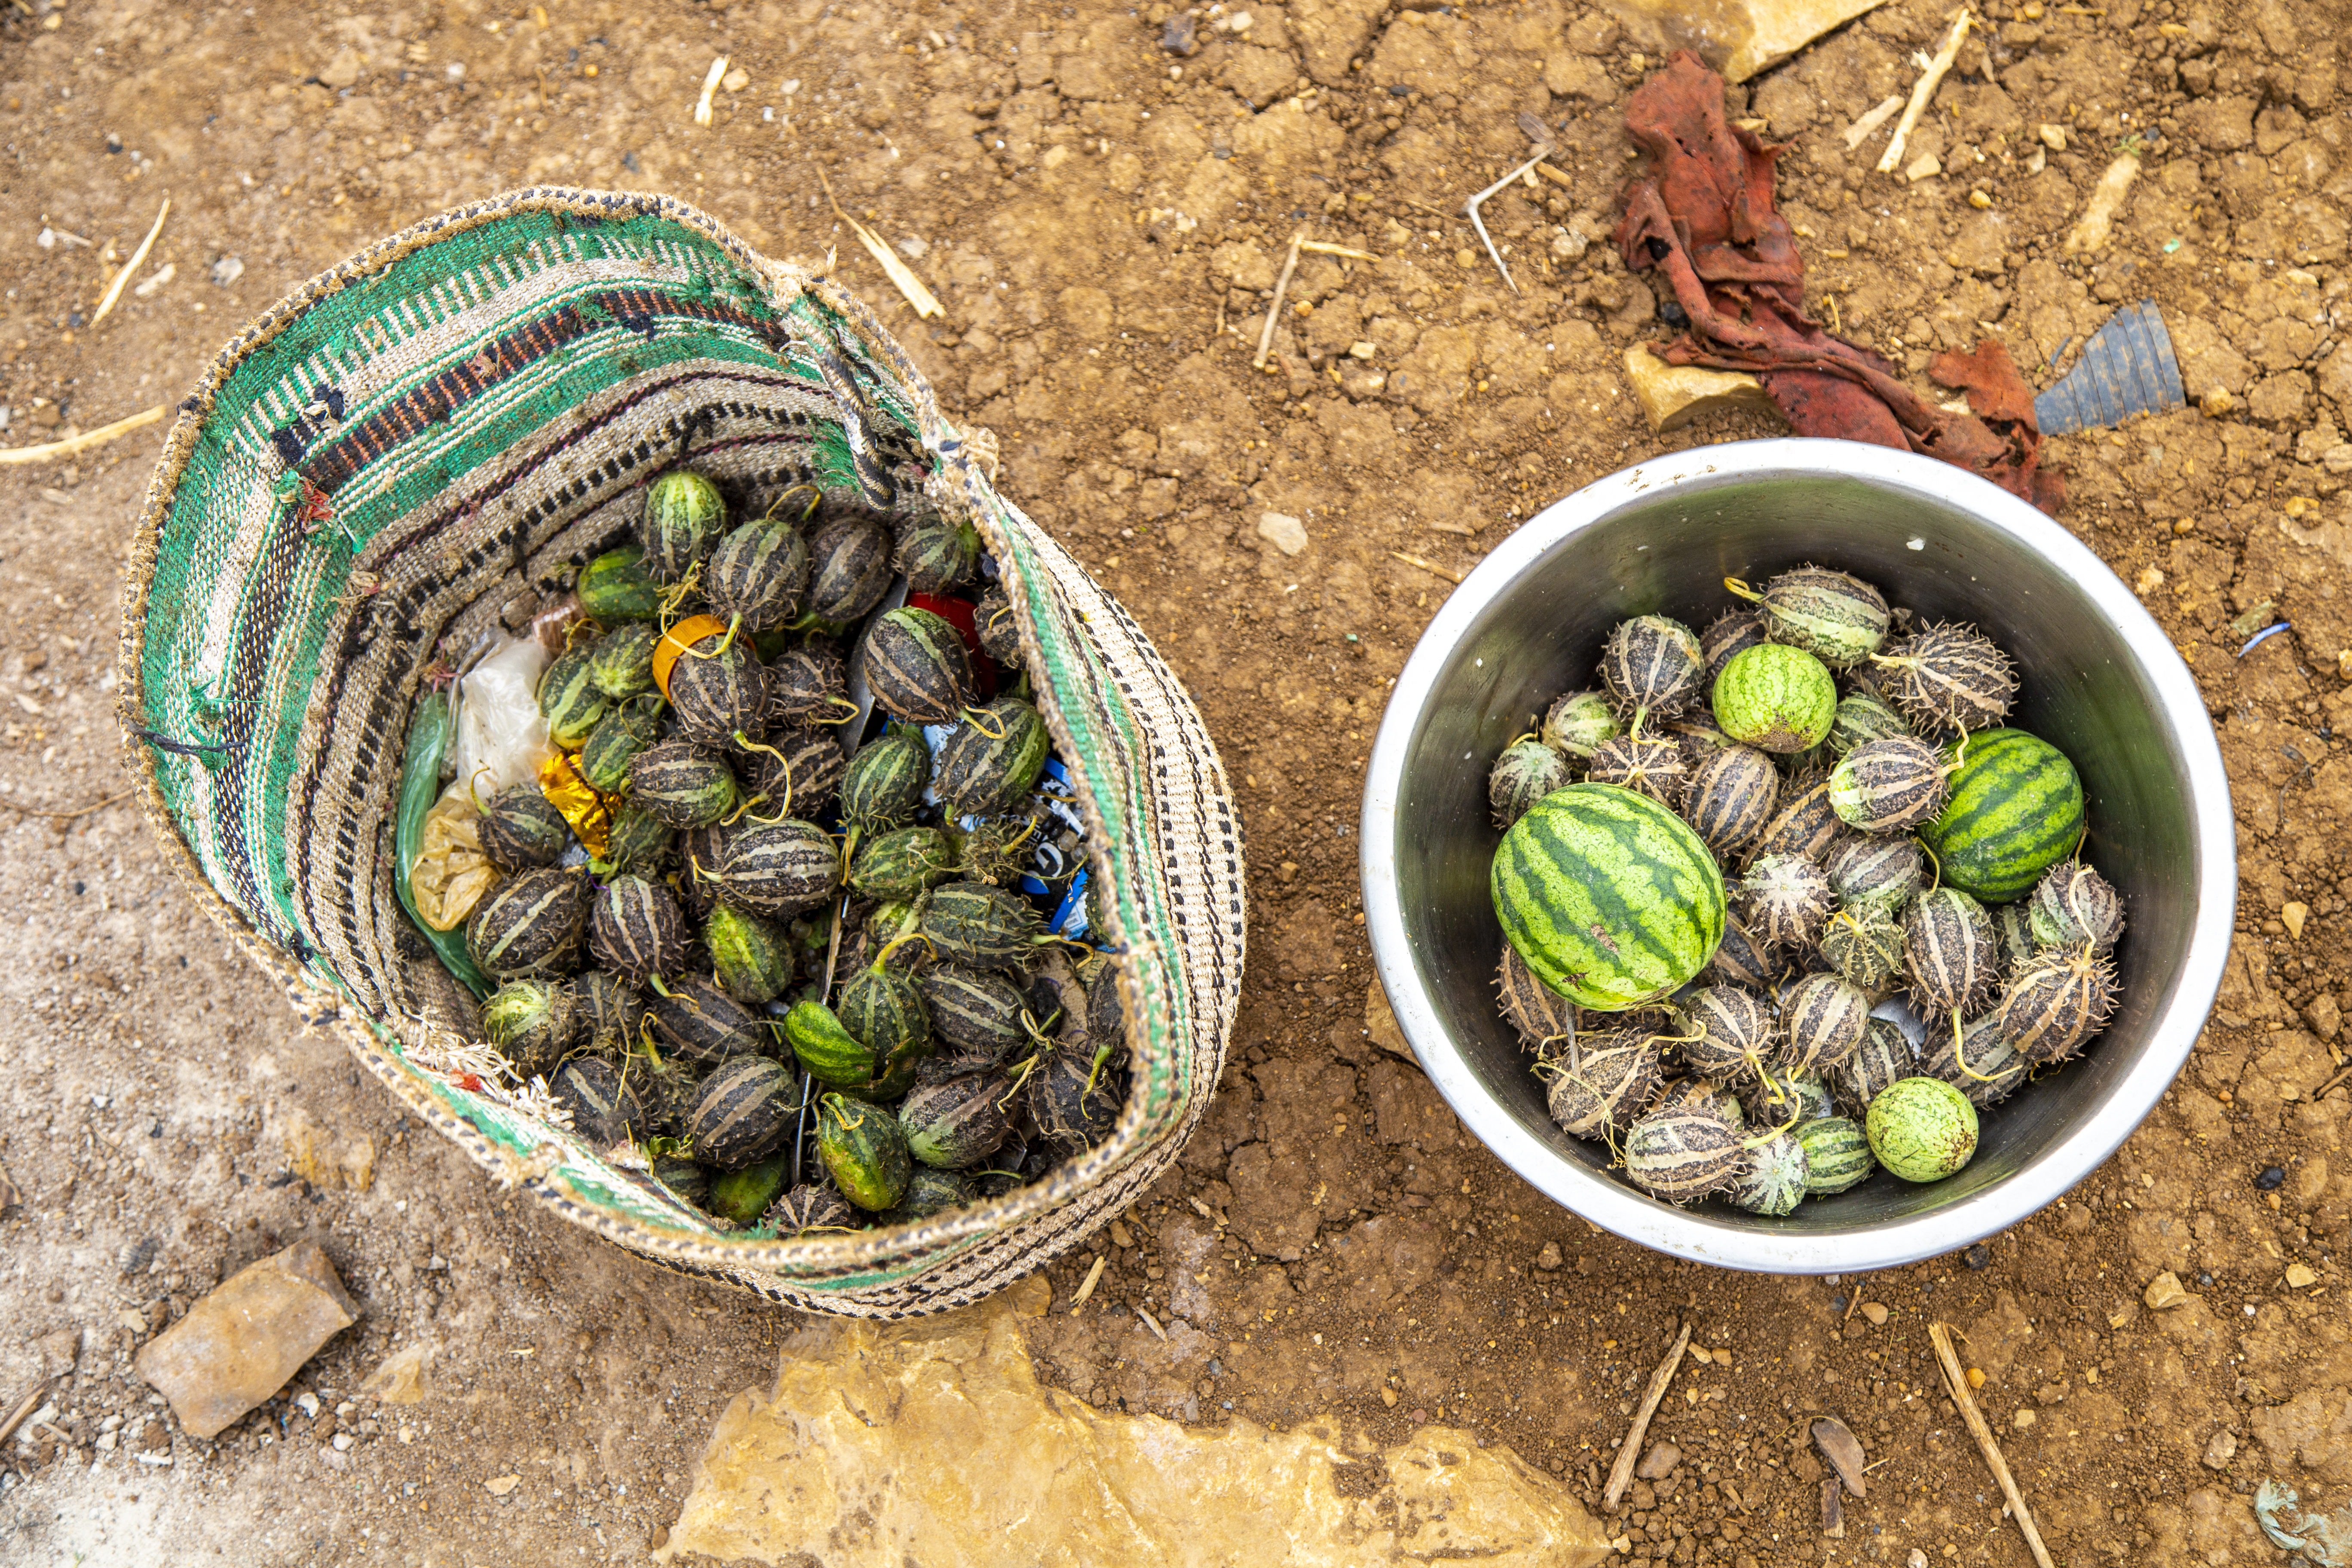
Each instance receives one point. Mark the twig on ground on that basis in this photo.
(1925, 90)
(65, 816)
(1320, 248)
(1153, 1324)
(2332, 1083)
(1471, 206)
(1433, 212)
(114, 290)
(925, 303)
(710, 86)
(25, 1407)
(1556, 177)
(1956, 1383)
(1431, 566)
(1087, 1286)
(1860, 131)
(48, 451)
(1628, 1454)
(1274, 312)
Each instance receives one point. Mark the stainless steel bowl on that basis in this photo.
(2101, 682)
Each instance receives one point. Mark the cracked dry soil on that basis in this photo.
(1105, 234)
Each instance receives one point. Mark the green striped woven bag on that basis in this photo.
(372, 471)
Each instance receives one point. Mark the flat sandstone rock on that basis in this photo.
(1674, 395)
(1737, 38)
(239, 1346)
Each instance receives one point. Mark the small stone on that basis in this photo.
(1389, 1397)
(9, 1195)
(499, 1486)
(1842, 1450)
(344, 1441)
(2023, 1419)
(1671, 395)
(1927, 166)
(2219, 1451)
(1285, 533)
(2164, 1292)
(308, 1403)
(1976, 1377)
(1917, 1558)
(1977, 1257)
(2053, 137)
(1363, 350)
(1120, 1236)
(2299, 1277)
(2270, 1179)
(1659, 1462)
(2295, 915)
(239, 1346)
(1548, 1258)
(1876, 1312)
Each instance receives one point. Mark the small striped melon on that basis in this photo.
(2016, 810)
(1611, 899)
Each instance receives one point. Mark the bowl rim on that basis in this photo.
(1705, 1237)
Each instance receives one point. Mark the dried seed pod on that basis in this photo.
(568, 700)
(1890, 786)
(1742, 959)
(916, 667)
(902, 863)
(809, 1208)
(808, 685)
(1576, 723)
(992, 758)
(1883, 1056)
(627, 728)
(958, 1121)
(2057, 1003)
(1726, 1030)
(977, 1013)
(637, 840)
(615, 587)
(1539, 1013)
(1948, 677)
(1651, 667)
(1734, 631)
(1885, 872)
(1073, 1106)
(719, 691)
(638, 931)
(521, 829)
(1526, 772)
(1922, 1128)
(611, 1011)
(1822, 1020)
(693, 1018)
(758, 574)
(1971, 1056)
(1863, 717)
(937, 555)
(530, 927)
(684, 785)
(1682, 1155)
(981, 926)
(774, 868)
(800, 771)
(742, 1114)
(1600, 1089)
(1774, 1182)
(604, 1108)
(851, 569)
(749, 957)
(1785, 898)
(1949, 948)
(2072, 907)
(621, 662)
(685, 515)
(1649, 764)
(532, 1023)
(1837, 1155)
(882, 785)
(1000, 632)
(1864, 943)
(1732, 795)
(1835, 616)
(1804, 823)
(1000, 853)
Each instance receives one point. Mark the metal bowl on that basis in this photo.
(2100, 681)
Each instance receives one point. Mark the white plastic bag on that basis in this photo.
(501, 737)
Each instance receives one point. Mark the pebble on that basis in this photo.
(241, 1344)
(2023, 1419)
(2219, 1452)
(2272, 1177)
(1120, 1236)
(1659, 1462)
(499, 1486)
(1283, 531)
(2299, 1277)
(1548, 1258)
(344, 1441)
(1875, 1313)
(1977, 1257)
(2164, 1290)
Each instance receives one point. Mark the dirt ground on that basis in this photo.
(1105, 231)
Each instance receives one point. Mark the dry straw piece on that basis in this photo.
(114, 290)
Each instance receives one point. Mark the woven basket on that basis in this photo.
(376, 468)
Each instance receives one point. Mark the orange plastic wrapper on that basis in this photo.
(589, 812)
(676, 640)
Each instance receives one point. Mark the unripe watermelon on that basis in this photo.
(1609, 897)
(2016, 810)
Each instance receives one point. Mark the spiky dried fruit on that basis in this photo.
(1683, 1155)
(719, 692)
(532, 1023)
(1576, 723)
(1539, 1013)
(638, 931)
(1732, 795)
(1822, 1020)
(742, 1112)
(1774, 1179)
(937, 555)
(800, 771)
(1726, 1030)
(1950, 951)
(521, 829)
(684, 785)
(1744, 959)
(1835, 616)
(1971, 1055)
(999, 631)
(1647, 765)
(916, 664)
(1734, 631)
(684, 517)
(2072, 907)
(849, 569)
(1864, 943)
(1886, 872)
(883, 786)
(1883, 1056)
(531, 926)
(1863, 717)
(1651, 667)
(1948, 677)
(1602, 1087)
(1890, 786)
(1804, 822)
(992, 758)
(758, 574)
(808, 685)
(1785, 897)
(1526, 772)
(2056, 1003)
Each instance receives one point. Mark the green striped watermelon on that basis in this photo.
(2016, 810)
(1609, 896)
